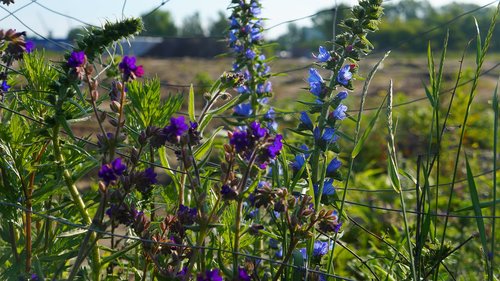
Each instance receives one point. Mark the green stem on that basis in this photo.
(293, 243)
(236, 246)
(77, 200)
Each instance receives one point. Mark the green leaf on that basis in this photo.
(367, 132)
(479, 50)
(476, 205)
(482, 205)
(200, 152)
(191, 104)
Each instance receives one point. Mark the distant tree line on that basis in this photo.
(402, 27)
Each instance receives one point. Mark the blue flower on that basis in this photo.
(300, 160)
(328, 188)
(255, 9)
(4, 87)
(316, 82)
(76, 59)
(320, 249)
(243, 89)
(270, 114)
(344, 75)
(329, 135)
(279, 253)
(306, 121)
(232, 36)
(264, 88)
(240, 141)
(243, 109)
(342, 95)
(273, 243)
(234, 23)
(238, 48)
(333, 166)
(323, 55)
(255, 34)
(339, 112)
(250, 54)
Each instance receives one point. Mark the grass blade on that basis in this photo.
(191, 104)
(477, 206)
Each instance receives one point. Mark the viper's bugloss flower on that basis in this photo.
(255, 9)
(305, 120)
(270, 114)
(264, 88)
(328, 136)
(186, 215)
(239, 140)
(300, 160)
(233, 24)
(339, 112)
(110, 172)
(323, 55)
(232, 36)
(342, 95)
(176, 128)
(4, 87)
(258, 132)
(243, 275)
(328, 188)
(279, 253)
(344, 75)
(210, 275)
(250, 54)
(316, 82)
(29, 46)
(255, 34)
(129, 69)
(333, 166)
(76, 59)
(243, 109)
(320, 249)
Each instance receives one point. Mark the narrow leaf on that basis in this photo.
(191, 104)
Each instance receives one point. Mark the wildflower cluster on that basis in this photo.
(245, 39)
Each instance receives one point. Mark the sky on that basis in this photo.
(36, 17)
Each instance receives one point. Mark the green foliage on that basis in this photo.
(158, 23)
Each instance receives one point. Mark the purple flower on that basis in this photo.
(240, 140)
(323, 55)
(344, 75)
(186, 215)
(210, 275)
(176, 128)
(243, 275)
(29, 46)
(110, 172)
(320, 249)
(339, 112)
(129, 69)
(243, 109)
(275, 148)
(316, 82)
(34, 277)
(122, 214)
(76, 59)
(4, 87)
(144, 180)
(342, 95)
(306, 121)
(250, 54)
(257, 131)
(333, 166)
